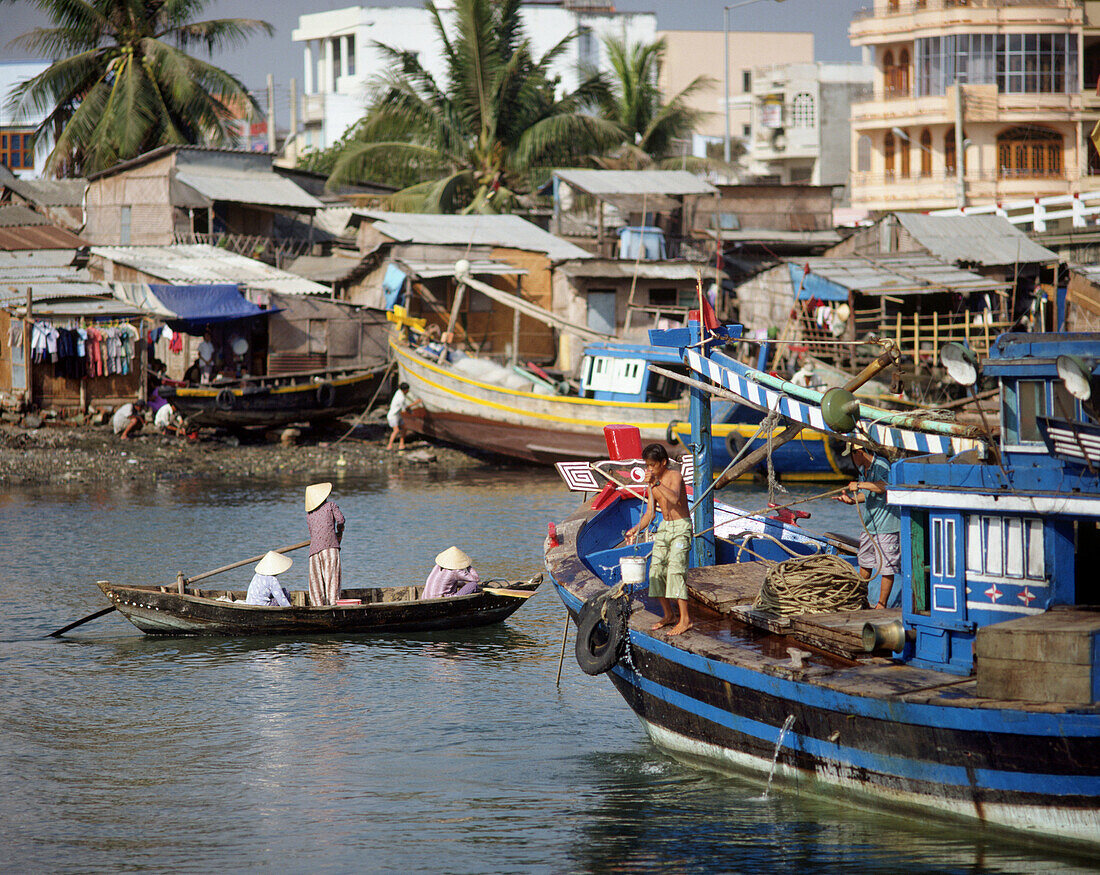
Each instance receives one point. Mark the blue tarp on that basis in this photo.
(815, 286)
(393, 284)
(196, 306)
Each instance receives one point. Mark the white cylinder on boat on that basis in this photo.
(632, 569)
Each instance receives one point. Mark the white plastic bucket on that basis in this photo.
(632, 569)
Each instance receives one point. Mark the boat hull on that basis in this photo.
(523, 425)
(907, 737)
(168, 613)
(253, 405)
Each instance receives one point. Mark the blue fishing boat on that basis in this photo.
(978, 698)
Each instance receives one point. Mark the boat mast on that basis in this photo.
(702, 548)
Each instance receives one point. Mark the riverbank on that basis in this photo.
(93, 453)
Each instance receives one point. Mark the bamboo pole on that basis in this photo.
(935, 335)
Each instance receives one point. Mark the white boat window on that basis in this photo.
(1014, 547)
(974, 544)
(949, 546)
(937, 547)
(1032, 401)
(994, 551)
(1036, 565)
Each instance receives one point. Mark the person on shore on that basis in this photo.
(452, 575)
(264, 588)
(128, 419)
(671, 543)
(880, 541)
(326, 531)
(395, 416)
(167, 421)
(207, 356)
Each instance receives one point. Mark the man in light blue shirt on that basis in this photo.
(264, 588)
(880, 542)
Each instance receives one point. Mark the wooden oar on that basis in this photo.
(81, 621)
(515, 593)
(206, 574)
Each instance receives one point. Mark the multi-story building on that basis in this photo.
(976, 102)
(17, 126)
(800, 123)
(693, 53)
(341, 59)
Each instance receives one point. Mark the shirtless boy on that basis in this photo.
(672, 540)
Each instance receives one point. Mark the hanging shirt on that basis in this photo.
(444, 582)
(265, 590)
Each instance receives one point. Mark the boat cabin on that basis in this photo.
(620, 372)
(1009, 538)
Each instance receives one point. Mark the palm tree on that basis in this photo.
(633, 101)
(488, 134)
(124, 82)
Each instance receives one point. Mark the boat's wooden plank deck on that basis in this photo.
(724, 587)
(840, 631)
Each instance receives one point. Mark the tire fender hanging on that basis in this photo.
(600, 642)
(225, 399)
(326, 394)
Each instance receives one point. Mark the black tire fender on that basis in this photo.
(326, 394)
(225, 399)
(600, 642)
(735, 441)
(670, 435)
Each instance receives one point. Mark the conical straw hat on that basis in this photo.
(273, 563)
(316, 495)
(454, 559)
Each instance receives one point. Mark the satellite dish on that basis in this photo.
(240, 346)
(1076, 374)
(960, 363)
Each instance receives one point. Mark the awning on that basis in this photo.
(814, 286)
(195, 306)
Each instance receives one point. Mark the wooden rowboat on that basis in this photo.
(161, 610)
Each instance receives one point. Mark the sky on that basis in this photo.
(828, 19)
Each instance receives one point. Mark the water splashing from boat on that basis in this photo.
(775, 755)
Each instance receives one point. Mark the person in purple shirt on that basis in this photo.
(264, 588)
(326, 531)
(452, 575)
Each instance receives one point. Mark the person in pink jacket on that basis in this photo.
(452, 575)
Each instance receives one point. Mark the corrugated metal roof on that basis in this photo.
(36, 259)
(989, 241)
(49, 192)
(427, 270)
(506, 231)
(896, 274)
(636, 182)
(325, 268)
(196, 264)
(262, 187)
(38, 237)
(15, 215)
(649, 270)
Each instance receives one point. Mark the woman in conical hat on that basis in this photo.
(453, 575)
(326, 531)
(264, 588)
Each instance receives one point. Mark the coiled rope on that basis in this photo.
(814, 585)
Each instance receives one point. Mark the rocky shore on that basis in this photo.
(64, 453)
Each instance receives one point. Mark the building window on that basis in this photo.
(1027, 151)
(949, 154)
(1015, 63)
(746, 81)
(888, 72)
(863, 153)
(902, 74)
(926, 152)
(802, 111)
(905, 151)
(888, 149)
(351, 53)
(16, 149)
(124, 226)
(336, 44)
(1004, 547)
(746, 131)
(588, 57)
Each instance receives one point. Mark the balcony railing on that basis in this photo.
(908, 7)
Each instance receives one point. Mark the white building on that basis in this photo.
(16, 129)
(341, 60)
(801, 116)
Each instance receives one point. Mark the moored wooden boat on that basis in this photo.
(989, 708)
(161, 610)
(277, 400)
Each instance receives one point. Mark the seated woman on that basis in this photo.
(452, 575)
(264, 588)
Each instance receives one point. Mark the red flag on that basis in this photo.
(710, 320)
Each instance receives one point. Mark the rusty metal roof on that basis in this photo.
(38, 237)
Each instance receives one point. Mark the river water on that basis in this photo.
(436, 752)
